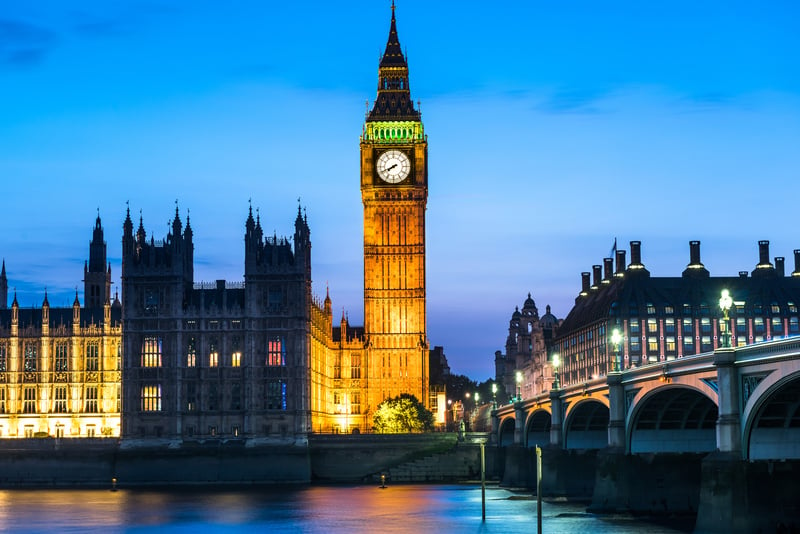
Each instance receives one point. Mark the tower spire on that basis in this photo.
(394, 95)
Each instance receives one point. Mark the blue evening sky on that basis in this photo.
(553, 127)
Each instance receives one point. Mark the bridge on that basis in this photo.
(743, 400)
(717, 434)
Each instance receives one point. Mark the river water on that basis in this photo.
(306, 509)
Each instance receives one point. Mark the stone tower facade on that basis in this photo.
(394, 190)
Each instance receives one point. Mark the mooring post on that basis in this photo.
(483, 482)
(538, 489)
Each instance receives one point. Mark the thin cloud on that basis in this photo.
(572, 101)
(22, 44)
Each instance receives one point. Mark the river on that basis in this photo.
(306, 509)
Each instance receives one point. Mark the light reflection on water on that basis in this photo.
(329, 509)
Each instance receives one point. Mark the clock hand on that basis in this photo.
(392, 167)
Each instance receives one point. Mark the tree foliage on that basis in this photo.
(402, 414)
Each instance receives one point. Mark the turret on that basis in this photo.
(3, 288)
(96, 272)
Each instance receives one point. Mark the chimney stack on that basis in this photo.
(764, 267)
(796, 271)
(596, 275)
(620, 263)
(585, 283)
(608, 270)
(779, 266)
(695, 267)
(636, 253)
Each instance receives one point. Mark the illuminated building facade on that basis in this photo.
(664, 318)
(527, 347)
(60, 367)
(394, 190)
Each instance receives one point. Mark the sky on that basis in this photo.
(553, 129)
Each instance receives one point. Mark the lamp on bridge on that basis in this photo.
(494, 395)
(616, 339)
(556, 364)
(725, 303)
(519, 386)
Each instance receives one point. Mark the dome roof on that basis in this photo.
(529, 303)
(516, 314)
(548, 320)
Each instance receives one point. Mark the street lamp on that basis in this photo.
(494, 395)
(725, 303)
(477, 398)
(519, 386)
(556, 364)
(616, 339)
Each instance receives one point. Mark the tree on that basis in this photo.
(402, 414)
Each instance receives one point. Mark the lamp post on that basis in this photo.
(494, 395)
(556, 364)
(519, 386)
(725, 303)
(616, 339)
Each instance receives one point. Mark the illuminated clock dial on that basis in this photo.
(393, 166)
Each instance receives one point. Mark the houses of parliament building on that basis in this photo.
(259, 359)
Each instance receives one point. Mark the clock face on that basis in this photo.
(393, 166)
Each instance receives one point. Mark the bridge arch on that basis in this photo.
(506, 432)
(586, 425)
(772, 424)
(673, 418)
(537, 429)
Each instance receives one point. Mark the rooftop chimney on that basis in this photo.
(743, 274)
(585, 283)
(608, 270)
(796, 271)
(620, 264)
(636, 265)
(596, 274)
(695, 267)
(764, 267)
(779, 266)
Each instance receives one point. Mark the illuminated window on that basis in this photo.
(118, 405)
(792, 307)
(775, 308)
(669, 310)
(2, 400)
(355, 365)
(794, 325)
(705, 343)
(669, 326)
(652, 344)
(670, 344)
(151, 398)
(60, 397)
(276, 395)
(191, 352)
(213, 355)
(276, 352)
(92, 356)
(741, 326)
(3, 358)
(758, 324)
(151, 352)
(90, 431)
(355, 403)
(633, 326)
(191, 396)
(337, 366)
(91, 400)
(777, 325)
(62, 357)
(29, 400)
(236, 359)
(687, 309)
(705, 325)
(688, 345)
(30, 358)
(652, 326)
(28, 431)
(635, 347)
(651, 310)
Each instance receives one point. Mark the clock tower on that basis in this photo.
(394, 189)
